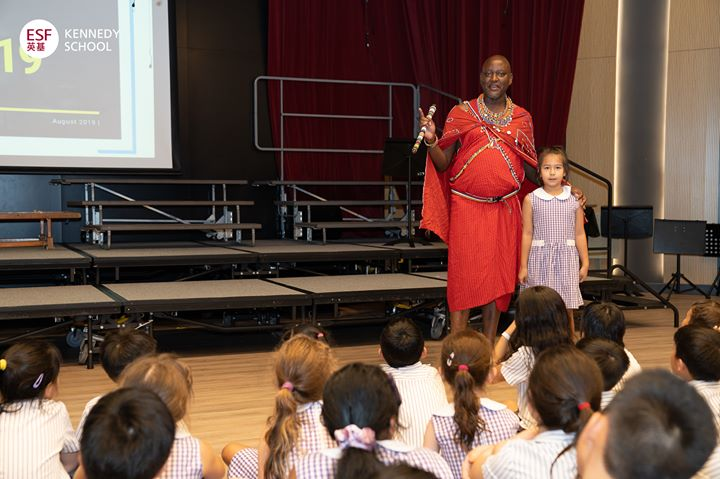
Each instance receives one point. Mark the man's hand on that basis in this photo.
(577, 193)
(430, 127)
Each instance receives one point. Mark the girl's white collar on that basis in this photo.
(544, 195)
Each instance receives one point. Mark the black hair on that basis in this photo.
(659, 427)
(699, 349)
(401, 343)
(610, 357)
(128, 434)
(553, 150)
(365, 396)
(603, 320)
(403, 471)
(560, 384)
(29, 367)
(541, 319)
(123, 346)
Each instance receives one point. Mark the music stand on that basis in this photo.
(627, 222)
(679, 237)
(397, 156)
(712, 249)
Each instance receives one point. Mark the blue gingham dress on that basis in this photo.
(184, 461)
(554, 260)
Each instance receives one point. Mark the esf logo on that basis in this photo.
(39, 38)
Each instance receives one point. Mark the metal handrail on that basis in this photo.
(607, 182)
(282, 149)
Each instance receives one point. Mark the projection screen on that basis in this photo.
(85, 84)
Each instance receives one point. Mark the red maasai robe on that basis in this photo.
(483, 238)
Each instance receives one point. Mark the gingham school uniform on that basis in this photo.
(32, 436)
(522, 459)
(516, 371)
(710, 391)
(422, 392)
(500, 424)
(633, 369)
(554, 259)
(312, 437)
(88, 407)
(323, 465)
(185, 461)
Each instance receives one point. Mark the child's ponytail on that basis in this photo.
(466, 360)
(360, 407)
(282, 432)
(302, 366)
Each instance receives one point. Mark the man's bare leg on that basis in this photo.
(491, 317)
(459, 320)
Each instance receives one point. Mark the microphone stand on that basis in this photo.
(410, 238)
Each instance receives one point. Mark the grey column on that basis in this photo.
(642, 59)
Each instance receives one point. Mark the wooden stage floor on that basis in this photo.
(234, 390)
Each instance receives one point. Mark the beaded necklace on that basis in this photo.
(501, 119)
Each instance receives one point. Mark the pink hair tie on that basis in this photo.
(463, 367)
(583, 405)
(353, 436)
(288, 385)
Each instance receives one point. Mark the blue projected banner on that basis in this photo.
(85, 84)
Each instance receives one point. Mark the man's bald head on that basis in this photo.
(497, 58)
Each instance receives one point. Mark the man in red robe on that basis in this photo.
(474, 185)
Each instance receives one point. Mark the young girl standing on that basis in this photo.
(553, 237)
(472, 420)
(36, 437)
(302, 366)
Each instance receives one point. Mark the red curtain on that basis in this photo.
(436, 42)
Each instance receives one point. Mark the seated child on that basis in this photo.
(656, 427)
(605, 320)
(564, 389)
(420, 386)
(302, 366)
(705, 313)
(697, 360)
(541, 322)
(128, 434)
(36, 436)
(120, 348)
(472, 420)
(171, 380)
(612, 361)
(360, 409)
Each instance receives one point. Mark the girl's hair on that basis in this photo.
(553, 150)
(706, 313)
(313, 331)
(541, 320)
(362, 395)
(28, 368)
(165, 375)
(603, 320)
(565, 387)
(403, 471)
(302, 367)
(466, 360)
